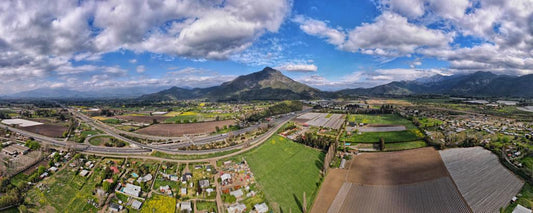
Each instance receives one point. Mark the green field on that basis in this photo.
(382, 119)
(373, 137)
(97, 141)
(404, 145)
(206, 206)
(285, 170)
(429, 122)
(411, 134)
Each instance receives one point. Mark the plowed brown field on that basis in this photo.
(378, 182)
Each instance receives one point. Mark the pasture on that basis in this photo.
(373, 137)
(404, 145)
(390, 127)
(176, 130)
(383, 119)
(284, 171)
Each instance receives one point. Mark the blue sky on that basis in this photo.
(331, 45)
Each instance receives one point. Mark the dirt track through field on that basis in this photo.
(405, 181)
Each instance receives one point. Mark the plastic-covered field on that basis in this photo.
(437, 195)
(485, 184)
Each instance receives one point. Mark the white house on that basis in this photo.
(132, 190)
(261, 208)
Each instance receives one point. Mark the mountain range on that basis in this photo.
(478, 84)
(268, 84)
(271, 84)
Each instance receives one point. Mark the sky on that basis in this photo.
(92, 45)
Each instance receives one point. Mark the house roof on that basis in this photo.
(521, 209)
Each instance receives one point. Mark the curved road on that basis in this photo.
(139, 148)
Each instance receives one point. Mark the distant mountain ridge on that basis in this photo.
(267, 84)
(271, 84)
(475, 84)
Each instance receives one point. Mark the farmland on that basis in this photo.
(485, 184)
(50, 130)
(291, 170)
(406, 181)
(333, 121)
(390, 127)
(389, 119)
(174, 130)
(425, 196)
(404, 145)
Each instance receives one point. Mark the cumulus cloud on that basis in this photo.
(389, 35)
(40, 38)
(298, 67)
(392, 35)
(320, 29)
(416, 8)
(365, 79)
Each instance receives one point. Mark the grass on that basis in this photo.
(159, 203)
(112, 121)
(525, 200)
(191, 157)
(429, 122)
(373, 137)
(285, 170)
(404, 145)
(527, 162)
(206, 205)
(97, 141)
(391, 119)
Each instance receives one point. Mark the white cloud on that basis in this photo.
(365, 79)
(389, 35)
(320, 29)
(140, 69)
(132, 61)
(392, 35)
(40, 38)
(298, 67)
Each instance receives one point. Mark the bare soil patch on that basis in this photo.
(176, 130)
(392, 168)
(142, 119)
(30, 170)
(328, 191)
(50, 130)
(381, 182)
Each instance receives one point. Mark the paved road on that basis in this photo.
(174, 147)
(139, 148)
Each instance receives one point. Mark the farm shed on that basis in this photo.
(16, 149)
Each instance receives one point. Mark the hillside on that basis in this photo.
(475, 84)
(267, 84)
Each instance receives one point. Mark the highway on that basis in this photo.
(139, 148)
